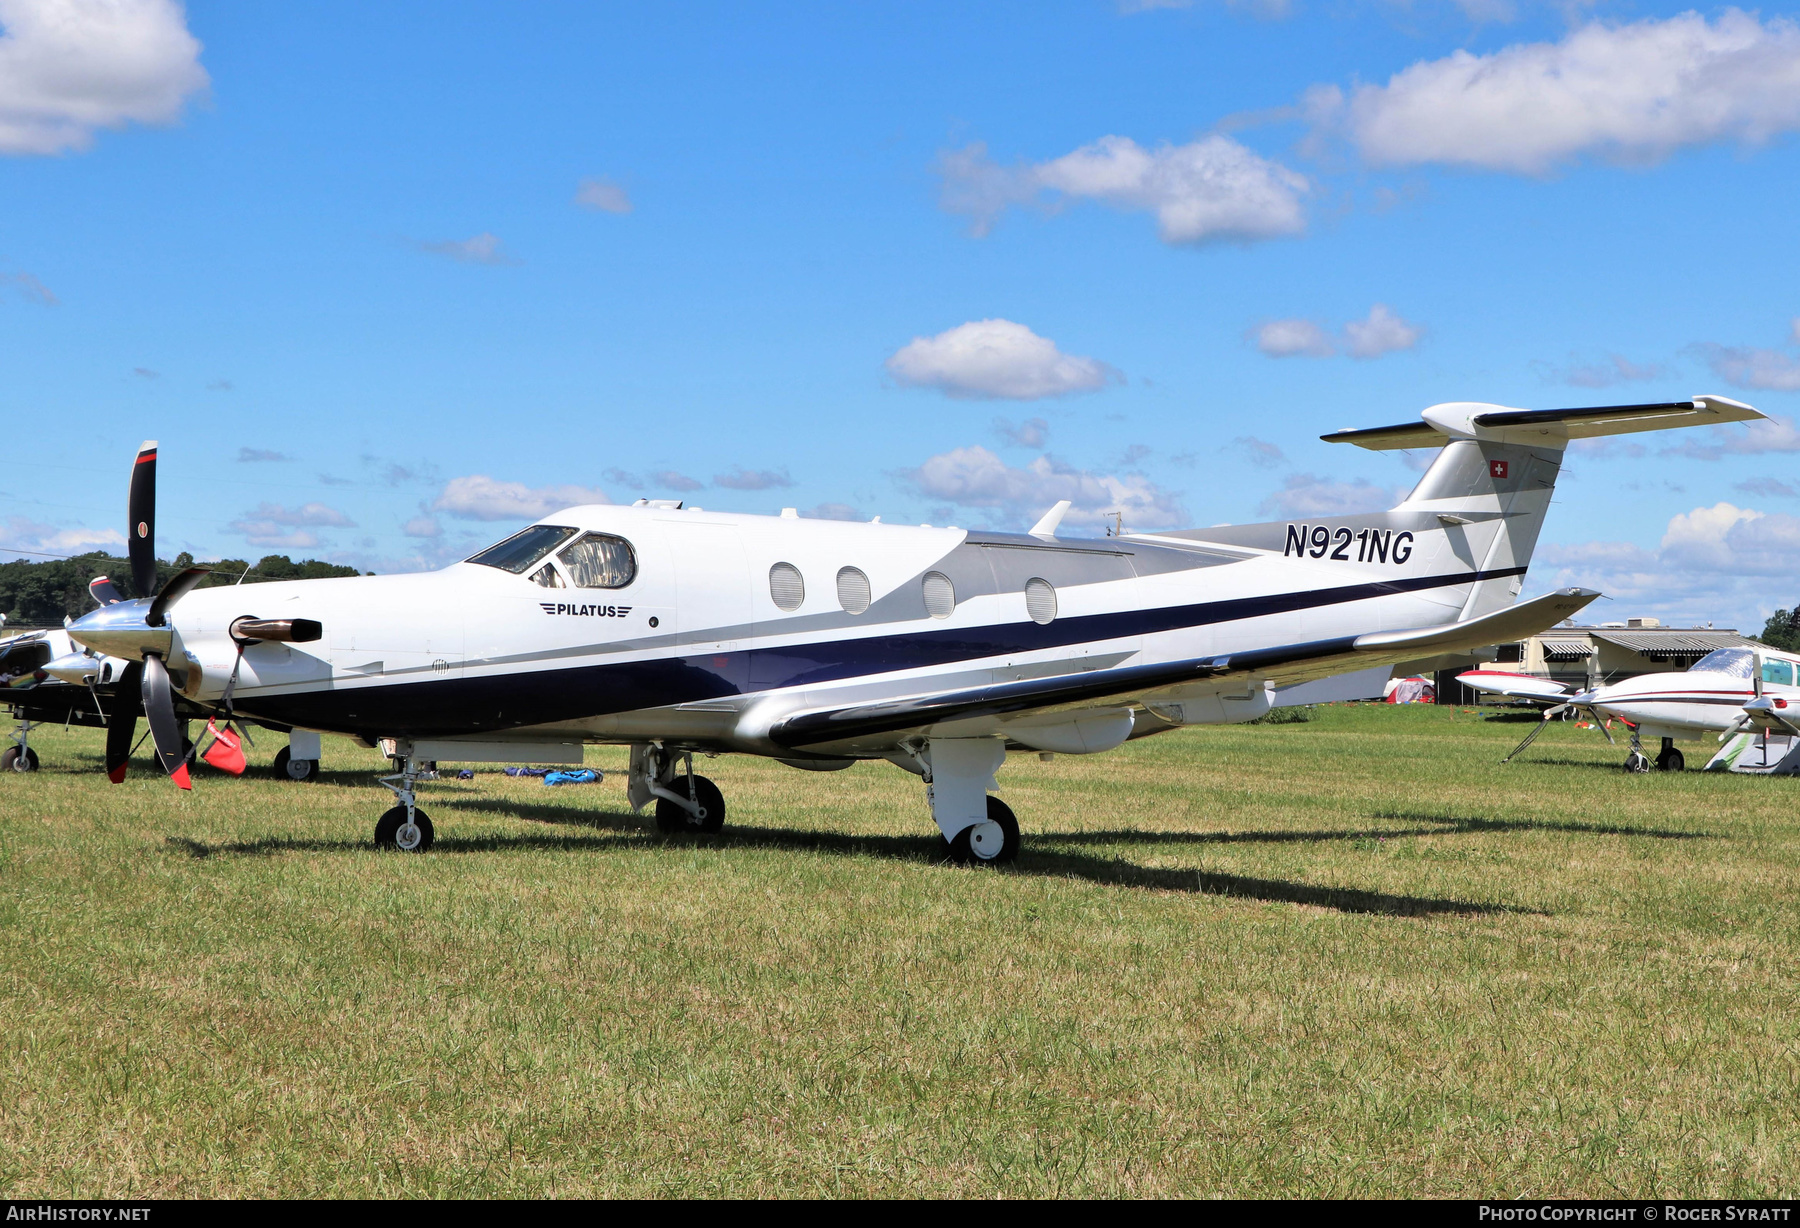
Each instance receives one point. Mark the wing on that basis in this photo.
(1514, 686)
(1283, 665)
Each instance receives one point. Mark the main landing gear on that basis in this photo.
(406, 827)
(980, 829)
(684, 802)
(1668, 759)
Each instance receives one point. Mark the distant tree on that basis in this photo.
(1783, 630)
(43, 594)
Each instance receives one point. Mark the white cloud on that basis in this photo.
(1382, 332)
(1753, 439)
(974, 477)
(479, 497)
(1633, 92)
(668, 479)
(1259, 452)
(1617, 369)
(29, 288)
(271, 524)
(989, 359)
(1748, 367)
(70, 67)
(1031, 433)
(1723, 564)
(1288, 338)
(423, 526)
(483, 248)
(1209, 190)
(24, 535)
(251, 456)
(832, 511)
(603, 196)
(1306, 494)
(741, 478)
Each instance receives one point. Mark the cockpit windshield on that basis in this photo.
(518, 552)
(1738, 662)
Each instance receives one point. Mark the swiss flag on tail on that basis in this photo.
(226, 751)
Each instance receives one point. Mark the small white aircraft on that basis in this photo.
(1721, 693)
(819, 643)
(47, 677)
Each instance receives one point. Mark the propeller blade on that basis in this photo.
(1529, 738)
(141, 531)
(165, 730)
(121, 728)
(177, 588)
(1736, 728)
(1595, 717)
(103, 591)
(1558, 710)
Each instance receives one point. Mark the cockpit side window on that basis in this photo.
(1738, 662)
(548, 576)
(600, 560)
(518, 552)
(1779, 672)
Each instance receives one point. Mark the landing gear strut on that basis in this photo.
(1670, 760)
(1637, 761)
(406, 827)
(20, 758)
(684, 802)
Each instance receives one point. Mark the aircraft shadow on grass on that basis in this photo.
(604, 829)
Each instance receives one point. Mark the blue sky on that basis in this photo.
(387, 280)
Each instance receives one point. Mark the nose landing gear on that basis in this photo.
(20, 758)
(406, 827)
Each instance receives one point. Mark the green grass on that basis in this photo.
(1346, 957)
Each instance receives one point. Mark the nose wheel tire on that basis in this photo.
(289, 768)
(11, 760)
(992, 843)
(1637, 762)
(672, 819)
(394, 832)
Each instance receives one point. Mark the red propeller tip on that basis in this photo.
(180, 777)
(117, 775)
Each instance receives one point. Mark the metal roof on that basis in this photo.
(1673, 643)
(1564, 649)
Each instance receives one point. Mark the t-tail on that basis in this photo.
(1479, 507)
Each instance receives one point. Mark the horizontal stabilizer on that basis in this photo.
(1284, 665)
(1468, 420)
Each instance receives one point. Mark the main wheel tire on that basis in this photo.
(289, 768)
(672, 819)
(12, 761)
(1671, 761)
(1635, 762)
(972, 844)
(394, 832)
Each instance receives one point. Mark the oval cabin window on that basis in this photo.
(786, 589)
(1040, 600)
(940, 595)
(853, 590)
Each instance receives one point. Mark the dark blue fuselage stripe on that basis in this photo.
(507, 701)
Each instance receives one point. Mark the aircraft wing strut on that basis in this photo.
(1284, 664)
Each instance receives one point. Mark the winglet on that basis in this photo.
(1046, 527)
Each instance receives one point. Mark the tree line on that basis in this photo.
(42, 594)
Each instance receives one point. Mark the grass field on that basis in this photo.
(1350, 957)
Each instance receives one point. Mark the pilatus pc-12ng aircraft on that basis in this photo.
(818, 643)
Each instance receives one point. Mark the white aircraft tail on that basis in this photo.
(1480, 505)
